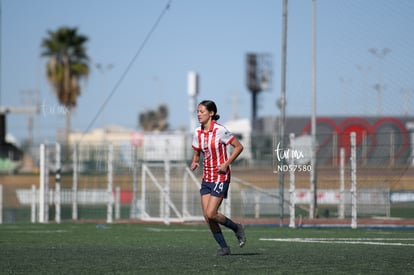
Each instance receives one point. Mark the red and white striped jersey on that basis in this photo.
(213, 145)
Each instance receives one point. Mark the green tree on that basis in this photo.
(67, 65)
(154, 120)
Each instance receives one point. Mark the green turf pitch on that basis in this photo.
(190, 249)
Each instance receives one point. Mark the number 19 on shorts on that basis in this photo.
(218, 187)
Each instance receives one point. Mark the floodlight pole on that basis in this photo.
(282, 105)
(313, 187)
(379, 87)
(1, 24)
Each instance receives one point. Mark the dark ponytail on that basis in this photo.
(211, 107)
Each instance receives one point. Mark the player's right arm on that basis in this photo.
(195, 160)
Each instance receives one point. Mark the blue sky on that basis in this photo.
(211, 38)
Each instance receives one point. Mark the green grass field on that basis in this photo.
(87, 248)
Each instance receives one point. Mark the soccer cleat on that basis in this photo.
(240, 235)
(223, 251)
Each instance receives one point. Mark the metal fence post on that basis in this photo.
(1, 203)
(57, 185)
(117, 203)
(75, 184)
(133, 211)
(292, 184)
(341, 207)
(353, 181)
(33, 205)
(42, 183)
(110, 185)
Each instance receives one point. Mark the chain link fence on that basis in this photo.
(151, 180)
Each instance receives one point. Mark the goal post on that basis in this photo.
(169, 193)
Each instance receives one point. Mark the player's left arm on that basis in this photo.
(238, 148)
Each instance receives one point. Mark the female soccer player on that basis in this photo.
(211, 139)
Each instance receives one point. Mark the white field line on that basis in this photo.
(153, 229)
(369, 241)
(41, 231)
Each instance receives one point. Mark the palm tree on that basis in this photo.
(67, 65)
